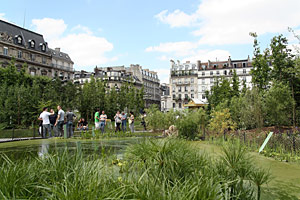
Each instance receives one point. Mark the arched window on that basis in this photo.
(19, 39)
(32, 43)
(43, 47)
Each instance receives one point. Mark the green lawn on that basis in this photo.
(286, 176)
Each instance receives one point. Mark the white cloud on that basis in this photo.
(83, 29)
(176, 18)
(205, 55)
(50, 28)
(163, 75)
(230, 21)
(188, 50)
(178, 48)
(84, 48)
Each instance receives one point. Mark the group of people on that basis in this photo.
(52, 123)
(120, 121)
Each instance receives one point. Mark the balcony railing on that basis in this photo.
(62, 67)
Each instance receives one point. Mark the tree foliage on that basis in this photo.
(23, 96)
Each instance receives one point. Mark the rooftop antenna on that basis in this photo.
(24, 18)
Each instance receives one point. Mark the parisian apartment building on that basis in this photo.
(165, 101)
(116, 76)
(191, 80)
(29, 47)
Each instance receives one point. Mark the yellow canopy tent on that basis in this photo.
(195, 103)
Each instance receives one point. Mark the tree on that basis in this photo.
(261, 69)
(220, 92)
(221, 121)
(235, 84)
(279, 104)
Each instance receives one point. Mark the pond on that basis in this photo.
(15, 150)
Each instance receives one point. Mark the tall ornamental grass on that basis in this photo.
(152, 169)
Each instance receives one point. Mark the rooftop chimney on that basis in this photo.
(57, 49)
(198, 64)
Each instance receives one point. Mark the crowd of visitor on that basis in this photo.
(53, 123)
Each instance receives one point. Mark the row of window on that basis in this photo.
(212, 80)
(181, 80)
(181, 89)
(224, 72)
(185, 67)
(186, 96)
(20, 55)
(146, 73)
(31, 43)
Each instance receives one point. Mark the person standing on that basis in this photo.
(97, 119)
(143, 122)
(103, 118)
(60, 121)
(118, 120)
(124, 122)
(70, 117)
(44, 116)
(52, 119)
(131, 122)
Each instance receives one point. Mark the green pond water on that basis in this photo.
(15, 150)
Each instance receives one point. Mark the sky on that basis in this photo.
(122, 32)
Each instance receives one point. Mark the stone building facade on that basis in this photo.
(183, 83)
(165, 97)
(28, 47)
(150, 82)
(209, 71)
(115, 76)
(192, 80)
(62, 65)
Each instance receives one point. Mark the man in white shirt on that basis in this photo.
(103, 118)
(44, 116)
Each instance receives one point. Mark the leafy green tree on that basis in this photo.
(220, 92)
(261, 69)
(235, 84)
(279, 104)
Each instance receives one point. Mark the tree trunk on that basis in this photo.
(258, 192)
(294, 106)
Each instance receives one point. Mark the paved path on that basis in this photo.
(18, 139)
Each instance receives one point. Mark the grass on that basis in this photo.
(150, 169)
(286, 176)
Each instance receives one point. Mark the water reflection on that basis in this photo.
(43, 147)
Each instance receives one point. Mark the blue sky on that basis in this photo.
(150, 33)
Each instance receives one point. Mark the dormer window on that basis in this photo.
(43, 47)
(32, 43)
(60, 55)
(215, 65)
(19, 39)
